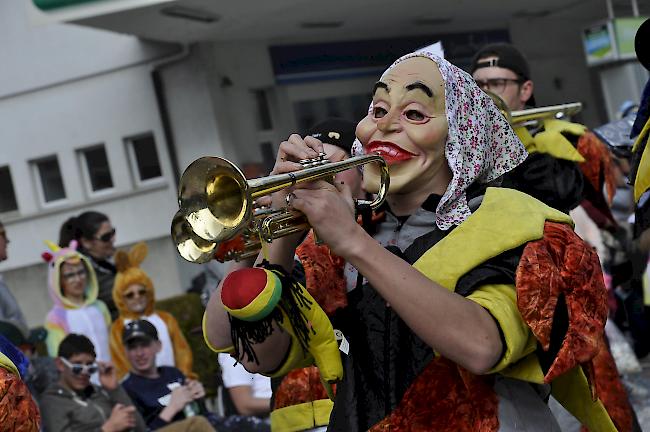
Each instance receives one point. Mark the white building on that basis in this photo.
(174, 80)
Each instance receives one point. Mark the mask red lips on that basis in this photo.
(390, 152)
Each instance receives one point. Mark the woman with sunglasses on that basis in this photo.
(73, 289)
(96, 237)
(134, 297)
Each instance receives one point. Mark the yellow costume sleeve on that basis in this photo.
(118, 354)
(501, 302)
(182, 351)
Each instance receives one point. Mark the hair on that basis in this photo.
(85, 226)
(75, 344)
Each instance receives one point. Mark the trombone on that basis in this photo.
(216, 217)
(533, 116)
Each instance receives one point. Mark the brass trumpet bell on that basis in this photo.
(216, 206)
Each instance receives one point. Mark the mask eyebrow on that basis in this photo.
(379, 85)
(421, 86)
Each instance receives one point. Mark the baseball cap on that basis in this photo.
(335, 131)
(508, 57)
(139, 329)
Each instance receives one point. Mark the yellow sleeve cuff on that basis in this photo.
(501, 302)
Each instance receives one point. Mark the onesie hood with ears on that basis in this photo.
(129, 273)
(55, 257)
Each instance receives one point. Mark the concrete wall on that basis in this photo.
(63, 88)
(554, 50)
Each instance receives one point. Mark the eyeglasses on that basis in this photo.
(130, 295)
(78, 369)
(78, 274)
(496, 85)
(107, 236)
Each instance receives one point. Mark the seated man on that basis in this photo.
(74, 404)
(164, 397)
(250, 393)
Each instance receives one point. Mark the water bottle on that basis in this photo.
(191, 409)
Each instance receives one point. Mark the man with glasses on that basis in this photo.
(75, 404)
(503, 70)
(9, 308)
(551, 172)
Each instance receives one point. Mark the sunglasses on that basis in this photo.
(78, 274)
(107, 236)
(78, 369)
(140, 293)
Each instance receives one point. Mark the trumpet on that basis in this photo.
(533, 116)
(216, 217)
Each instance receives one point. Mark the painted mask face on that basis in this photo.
(135, 297)
(408, 127)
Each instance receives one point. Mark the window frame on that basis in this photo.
(38, 182)
(133, 163)
(88, 186)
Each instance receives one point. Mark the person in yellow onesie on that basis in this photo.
(134, 296)
(451, 297)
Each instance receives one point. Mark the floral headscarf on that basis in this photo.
(481, 146)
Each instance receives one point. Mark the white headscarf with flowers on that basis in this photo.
(481, 146)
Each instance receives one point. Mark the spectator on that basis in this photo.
(250, 393)
(162, 394)
(41, 371)
(9, 308)
(73, 288)
(134, 297)
(75, 404)
(96, 237)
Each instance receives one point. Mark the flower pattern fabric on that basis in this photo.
(481, 146)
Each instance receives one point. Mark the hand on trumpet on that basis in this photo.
(329, 207)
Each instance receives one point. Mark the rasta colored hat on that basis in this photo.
(335, 131)
(130, 273)
(251, 294)
(139, 329)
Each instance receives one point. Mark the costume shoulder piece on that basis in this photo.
(505, 220)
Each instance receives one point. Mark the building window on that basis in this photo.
(144, 157)
(7, 194)
(96, 169)
(49, 176)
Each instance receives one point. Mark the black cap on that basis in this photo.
(335, 131)
(507, 57)
(139, 329)
(642, 44)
